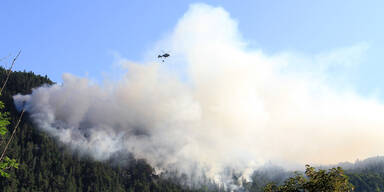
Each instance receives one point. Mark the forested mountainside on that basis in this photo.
(45, 165)
(367, 175)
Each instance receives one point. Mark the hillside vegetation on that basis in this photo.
(45, 165)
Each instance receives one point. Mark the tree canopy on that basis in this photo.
(332, 180)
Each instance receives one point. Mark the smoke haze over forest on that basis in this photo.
(236, 107)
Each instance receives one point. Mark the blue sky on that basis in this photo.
(81, 37)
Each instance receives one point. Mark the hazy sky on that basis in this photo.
(83, 37)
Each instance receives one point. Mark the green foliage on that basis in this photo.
(4, 121)
(314, 180)
(7, 163)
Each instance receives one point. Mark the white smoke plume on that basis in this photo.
(234, 107)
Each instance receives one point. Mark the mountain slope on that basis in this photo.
(45, 165)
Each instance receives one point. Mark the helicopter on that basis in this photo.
(163, 56)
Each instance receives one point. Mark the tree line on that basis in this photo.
(45, 165)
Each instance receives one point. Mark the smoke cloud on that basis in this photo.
(233, 107)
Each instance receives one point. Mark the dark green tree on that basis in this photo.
(315, 180)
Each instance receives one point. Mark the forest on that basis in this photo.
(46, 165)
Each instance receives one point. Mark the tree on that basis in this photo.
(6, 162)
(314, 180)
